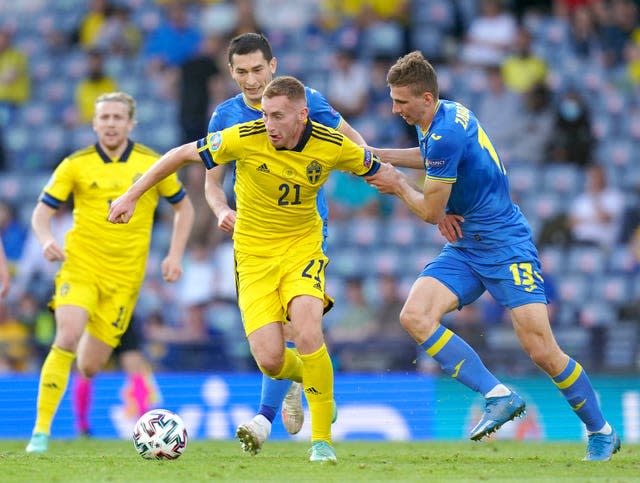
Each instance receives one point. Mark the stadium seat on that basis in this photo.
(616, 289)
(621, 350)
(586, 260)
(567, 179)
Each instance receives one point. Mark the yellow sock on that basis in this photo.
(317, 377)
(54, 377)
(292, 367)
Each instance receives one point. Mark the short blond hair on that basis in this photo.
(287, 86)
(123, 97)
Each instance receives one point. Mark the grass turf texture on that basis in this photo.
(116, 461)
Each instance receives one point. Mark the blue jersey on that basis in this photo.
(456, 150)
(236, 110)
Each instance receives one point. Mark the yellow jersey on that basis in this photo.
(110, 251)
(276, 189)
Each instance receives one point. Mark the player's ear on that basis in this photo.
(273, 64)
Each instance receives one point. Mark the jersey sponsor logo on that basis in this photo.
(367, 158)
(263, 168)
(312, 390)
(435, 137)
(215, 140)
(435, 163)
(314, 171)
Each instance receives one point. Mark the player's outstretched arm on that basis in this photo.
(41, 225)
(217, 199)
(404, 158)
(123, 207)
(428, 204)
(346, 129)
(183, 215)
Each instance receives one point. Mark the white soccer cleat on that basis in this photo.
(292, 412)
(253, 434)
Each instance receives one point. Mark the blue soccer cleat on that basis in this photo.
(602, 446)
(39, 443)
(322, 452)
(497, 411)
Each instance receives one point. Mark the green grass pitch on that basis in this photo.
(116, 461)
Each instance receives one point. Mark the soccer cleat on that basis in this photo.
(602, 446)
(497, 411)
(322, 452)
(38, 443)
(253, 434)
(292, 412)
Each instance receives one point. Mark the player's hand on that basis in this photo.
(227, 220)
(121, 209)
(171, 269)
(387, 179)
(450, 227)
(52, 251)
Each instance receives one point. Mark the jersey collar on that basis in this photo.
(123, 159)
(435, 112)
(306, 134)
(257, 108)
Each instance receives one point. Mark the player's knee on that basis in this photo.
(416, 322)
(543, 355)
(270, 365)
(87, 368)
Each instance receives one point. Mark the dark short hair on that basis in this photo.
(414, 71)
(287, 86)
(248, 43)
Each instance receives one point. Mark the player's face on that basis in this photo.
(285, 120)
(252, 73)
(112, 124)
(413, 109)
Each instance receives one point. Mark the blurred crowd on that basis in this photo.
(556, 85)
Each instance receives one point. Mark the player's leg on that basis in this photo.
(262, 316)
(268, 349)
(140, 391)
(531, 324)
(305, 313)
(429, 299)
(81, 395)
(54, 375)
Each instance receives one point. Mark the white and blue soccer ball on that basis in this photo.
(160, 434)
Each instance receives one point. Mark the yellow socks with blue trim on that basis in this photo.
(54, 378)
(317, 378)
(575, 386)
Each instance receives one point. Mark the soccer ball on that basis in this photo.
(160, 435)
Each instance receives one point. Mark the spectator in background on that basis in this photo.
(356, 321)
(571, 139)
(119, 35)
(490, 35)
(535, 120)
(522, 69)
(95, 83)
(583, 35)
(500, 108)
(15, 346)
(595, 215)
(348, 84)
(619, 20)
(88, 31)
(15, 84)
(198, 78)
(12, 232)
(173, 42)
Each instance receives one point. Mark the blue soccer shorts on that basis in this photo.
(511, 274)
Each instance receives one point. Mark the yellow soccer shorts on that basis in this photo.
(266, 285)
(109, 304)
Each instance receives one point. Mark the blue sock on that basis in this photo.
(575, 386)
(273, 392)
(459, 360)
